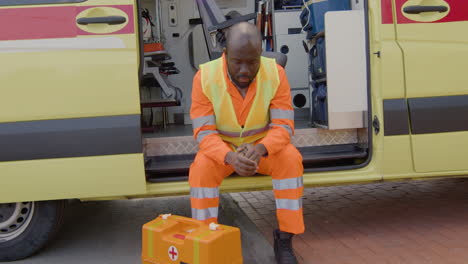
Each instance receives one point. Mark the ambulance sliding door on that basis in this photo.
(69, 109)
(432, 36)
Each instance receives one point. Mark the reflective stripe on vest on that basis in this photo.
(257, 124)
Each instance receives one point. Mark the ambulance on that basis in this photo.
(95, 97)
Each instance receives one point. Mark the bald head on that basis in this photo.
(243, 52)
(243, 35)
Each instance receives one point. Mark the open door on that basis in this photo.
(432, 36)
(69, 110)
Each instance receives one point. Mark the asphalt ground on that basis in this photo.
(109, 232)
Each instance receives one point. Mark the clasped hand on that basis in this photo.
(247, 158)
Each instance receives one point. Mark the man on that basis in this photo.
(243, 120)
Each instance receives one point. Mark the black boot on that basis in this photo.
(283, 247)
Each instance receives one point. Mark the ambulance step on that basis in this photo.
(322, 154)
(176, 167)
(168, 168)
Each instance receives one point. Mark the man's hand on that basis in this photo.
(253, 153)
(242, 165)
(244, 148)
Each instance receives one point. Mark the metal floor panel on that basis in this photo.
(307, 137)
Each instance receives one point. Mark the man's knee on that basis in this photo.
(205, 172)
(289, 158)
(290, 153)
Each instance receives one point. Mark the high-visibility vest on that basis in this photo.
(214, 85)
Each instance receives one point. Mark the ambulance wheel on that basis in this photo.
(27, 227)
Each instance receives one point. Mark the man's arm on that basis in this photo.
(204, 124)
(282, 118)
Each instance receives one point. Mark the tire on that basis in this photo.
(25, 228)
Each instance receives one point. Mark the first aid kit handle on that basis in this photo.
(417, 9)
(110, 20)
(189, 221)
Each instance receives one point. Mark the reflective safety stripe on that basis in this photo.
(202, 134)
(203, 121)
(281, 114)
(245, 133)
(291, 183)
(289, 204)
(255, 131)
(229, 134)
(201, 193)
(203, 214)
(288, 128)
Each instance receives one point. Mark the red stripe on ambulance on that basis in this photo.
(386, 8)
(38, 23)
(50, 22)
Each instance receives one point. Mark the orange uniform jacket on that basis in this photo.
(277, 137)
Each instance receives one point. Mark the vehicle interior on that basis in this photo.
(331, 109)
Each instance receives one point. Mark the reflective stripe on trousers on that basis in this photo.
(205, 214)
(203, 199)
(289, 184)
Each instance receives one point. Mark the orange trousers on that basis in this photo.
(285, 168)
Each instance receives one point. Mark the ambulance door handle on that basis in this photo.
(110, 20)
(417, 9)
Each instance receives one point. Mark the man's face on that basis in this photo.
(243, 64)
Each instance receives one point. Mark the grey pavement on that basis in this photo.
(109, 232)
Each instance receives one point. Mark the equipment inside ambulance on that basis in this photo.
(291, 46)
(156, 69)
(313, 22)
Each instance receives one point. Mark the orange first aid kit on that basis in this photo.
(175, 239)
